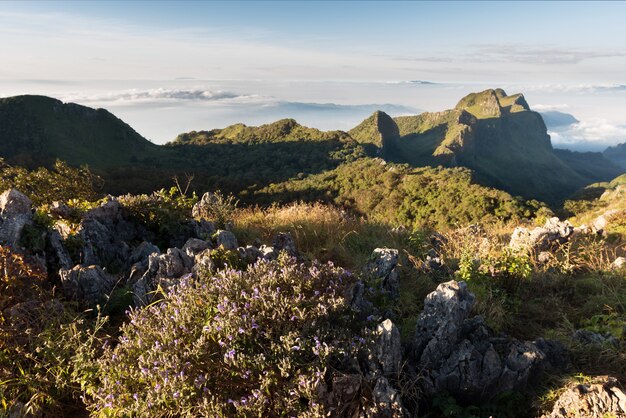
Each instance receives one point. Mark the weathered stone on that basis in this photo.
(602, 397)
(87, 284)
(601, 222)
(249, 254)
(105, 234)
(57, 255)
(195, 246)
(15, 214)
(203, 263)
(63, 228)
(268, 252)
(382, 266)
(554, 232)
(226, 239)
(386, 400)
(141, 252)
(584, 336)
(283, 241)
(163, 270)
(619, 263)
(202, 229)
(388, 350)
(463, 356)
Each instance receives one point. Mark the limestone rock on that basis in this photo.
(463, 356)
(15, 214)
(195, 246)
(387, 402)
(383, 266)
(250, 254)
(283, 241)
(584, 336)
(226, 239)
(388, 350)
(619, 263)
(554, 232)
(602, 397)
(60, 210)
(164, 270)
(87, 284)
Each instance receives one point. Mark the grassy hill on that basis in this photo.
(617, 154)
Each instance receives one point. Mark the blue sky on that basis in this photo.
(565, 55)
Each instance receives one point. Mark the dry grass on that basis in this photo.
(320, 231)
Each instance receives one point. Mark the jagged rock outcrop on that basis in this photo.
(554, 232)
(87, 284)
(105, 234)
(376, 130)
(56, 254)
(601, 397)
(383, 267)
(163, 270)
(15, 213)
(463, 356)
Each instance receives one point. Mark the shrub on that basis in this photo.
(44, 185)
(239, 343)
(217, 208)
(40, 339)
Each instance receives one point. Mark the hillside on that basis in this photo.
(35, 130)
(617, 154)
(501, 139)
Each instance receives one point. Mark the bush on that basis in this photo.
(216, 207)
(240, 343)
(40, 342)
(42, 185)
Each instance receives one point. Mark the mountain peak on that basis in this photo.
(483, 105)
(376, 129)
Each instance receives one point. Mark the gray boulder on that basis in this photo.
(249, 253)
(283, 241)
(383, 267)
(268, 252)
(386, 401)
(15, 214)
(387, 354)
(601, 397)
(163, 270)
(554, 232)
(226, 239)
(105, 234)
(619, 263)
(202, 229)
(584, 336)
(195, 246)
(463, 356)
(203, 263)
(86, 284)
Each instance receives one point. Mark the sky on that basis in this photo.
(170, 67)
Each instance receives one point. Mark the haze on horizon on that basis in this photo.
(170, 67)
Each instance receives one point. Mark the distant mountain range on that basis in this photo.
(496, 135)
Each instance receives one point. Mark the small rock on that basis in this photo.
(268, 253)
(143, 251)
(226, 239)
(619, 263)
(283, 241)
(387, 402)
(250, 254)
(14, 203)
(584, 336)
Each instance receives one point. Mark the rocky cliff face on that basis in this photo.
(496, 135)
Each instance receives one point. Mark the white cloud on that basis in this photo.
(589, 134)
(156, 96)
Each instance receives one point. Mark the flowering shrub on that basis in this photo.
(239, 343)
